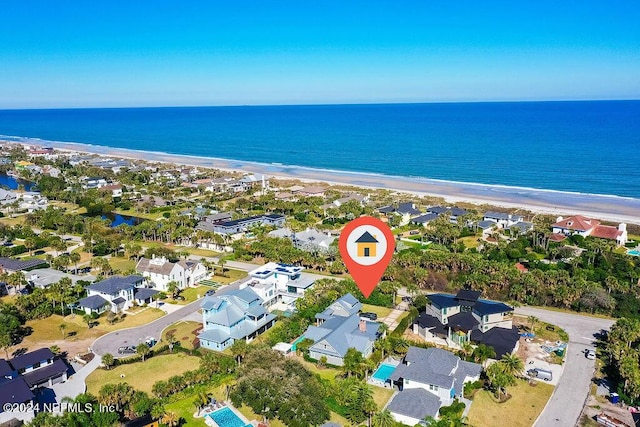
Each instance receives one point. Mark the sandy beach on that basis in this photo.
(604, 207)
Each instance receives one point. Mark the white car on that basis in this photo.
(590, 354)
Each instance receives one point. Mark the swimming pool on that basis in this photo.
(225, 417)
(635, 252)
(294, 344)
(383, 372)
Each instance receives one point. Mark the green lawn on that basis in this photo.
(142, 375)
(122, 264)
(521, 410)
(134, 212)
(380, 311)
(190, 295)
(230, 275)
(185, 409)
(183, 331)
(201, 252)
(470, 242)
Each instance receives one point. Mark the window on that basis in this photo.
(486, 318)
(36, 365)
(444, 310)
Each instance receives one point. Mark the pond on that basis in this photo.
(13, 183)
(117, 219)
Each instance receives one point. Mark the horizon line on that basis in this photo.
(320, 104)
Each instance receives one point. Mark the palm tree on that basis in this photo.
(143, 350)
(533, 320)
(239, 349)
(512, 365)
(74, 257)
(107, 360)
(482, 353)
(383, 419)
(170, 419)
(63, 328)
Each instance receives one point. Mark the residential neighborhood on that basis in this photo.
(167, 285)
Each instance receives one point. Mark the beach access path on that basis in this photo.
(568, 399)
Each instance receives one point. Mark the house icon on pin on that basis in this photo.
(366, 245)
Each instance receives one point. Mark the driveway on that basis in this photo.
(133, 336)
(567, 401)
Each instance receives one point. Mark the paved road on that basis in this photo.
(567, 401)
(133, 336)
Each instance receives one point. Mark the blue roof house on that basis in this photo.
(236, 315)
(340, 328)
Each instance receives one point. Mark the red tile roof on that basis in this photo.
(606, 232)
(521, 267)
(555, 237)
(577, 222)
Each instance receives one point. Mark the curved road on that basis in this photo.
(110, 342)
(567, 401)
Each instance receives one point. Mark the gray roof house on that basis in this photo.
(414, 405)
(309, 240)
(437, 372)
(238, 314)
(341, 328)
(116, 293)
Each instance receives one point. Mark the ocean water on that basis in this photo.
(585, 147)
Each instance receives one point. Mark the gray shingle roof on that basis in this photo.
(415, 403)
(144, 293)
(343, 334)
(344, 306)
(28, 359)
(20, 264)
(15, 391)
(93, 302)
(115, 284)
(427, 366)
(57, 368)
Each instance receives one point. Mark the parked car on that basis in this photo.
(590, 354)
(369, 315)
(127, 349)
(209, 292)
(541, 374)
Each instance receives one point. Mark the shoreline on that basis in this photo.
(605, 207)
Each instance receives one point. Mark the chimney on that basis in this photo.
(362, 326)
(559, 219)
(622, 227)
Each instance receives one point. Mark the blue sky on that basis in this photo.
(156, 53)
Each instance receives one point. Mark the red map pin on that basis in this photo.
(366, 245)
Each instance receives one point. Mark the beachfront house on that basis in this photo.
(116, 293)
(236, 315)
(585, 227)
(339, 328)
(453, 320)
(501, 219)
(428, 379)
(159, 272)
(277, 282)
(405, 211)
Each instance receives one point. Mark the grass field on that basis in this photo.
(12, 221)
(46, 330)
(122, 264)
(230, 275)
(190, 295)
(380, 311)
(183, 331)
(521, 410)
(470, 242)
(142, 375)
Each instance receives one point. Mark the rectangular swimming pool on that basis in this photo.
(225, 417)
(383, 372)
(634, 252)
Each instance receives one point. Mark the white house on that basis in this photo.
(309, 240)
(159, 272)
(585, 227)
(503, 220)
(116, 294)
(279, 282)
